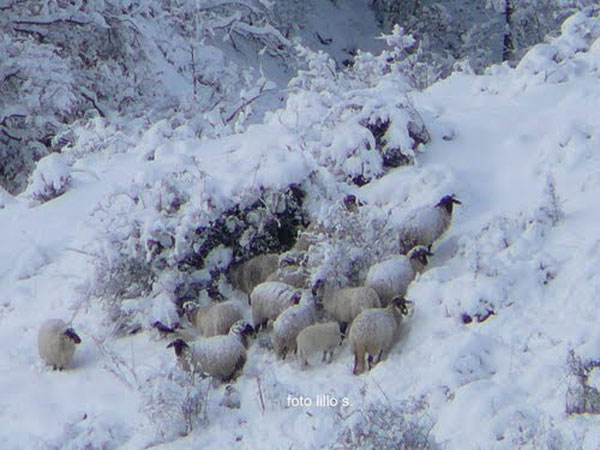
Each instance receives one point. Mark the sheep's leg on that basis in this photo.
(370, 361)
(359, 361)
(330, 357)
(379, 356)
(343, 327)
(324, 358)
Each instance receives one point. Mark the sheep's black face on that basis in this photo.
(178, 345)
(70, 333)
(402, 304)
(421, 254)
(447, 202)
(241, 328)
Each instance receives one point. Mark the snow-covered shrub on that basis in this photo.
(347, 119)
(51, 178)
(581, 397)
(90, 432)
(400, 426)
(185, 219)
(174, 403)
(563, 57)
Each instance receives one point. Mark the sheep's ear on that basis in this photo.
(163, 328)
(296, 298)
(316, 286)
(70, 333)
(248, 329)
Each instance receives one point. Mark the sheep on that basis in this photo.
(373, 332)
(56, 343)
(320, 337)
(215, 319)
(221, 357)
(344, 304)
(390, 278)
(269, 299)
(290, 323)
(427, 225)
(248, 275)
(293, 275)
(309, 236)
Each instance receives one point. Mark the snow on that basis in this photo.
(521, 153)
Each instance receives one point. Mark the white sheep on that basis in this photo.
(318, 338)
(344, 304)
(215, 319)
(293, 275)
(248, 275)
(269, 299)
(56, 343)
(373, 332)
(291, 322)
(312, 234)
(427, 225)
(390, 278)
(221, 357)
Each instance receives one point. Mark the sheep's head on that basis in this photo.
(190, 308)
(178, 345)
(241, 329)
(402, 305)
(420, 253)
(447, 202)
(317, 288)
(351, 203)
(70, 333)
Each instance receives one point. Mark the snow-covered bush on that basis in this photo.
(581, 397)
(399, 426)
(90, 432)
(51, 178)
(186, 218)
(348, 120)
(174, 403)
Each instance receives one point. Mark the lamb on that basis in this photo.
(344, 304)
(56, 343)
(427, 225)
(373, 332)
(221, 357)
(269, 299)
(290, 323)
(320, 337)
(215, 319)
(248, 275)
(390, 278)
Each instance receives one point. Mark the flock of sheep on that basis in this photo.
(307, 321)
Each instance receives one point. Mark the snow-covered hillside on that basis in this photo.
(500, 352)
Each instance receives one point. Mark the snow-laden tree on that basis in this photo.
(69, 61)
(480, 32)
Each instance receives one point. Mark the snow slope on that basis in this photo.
(520, 150)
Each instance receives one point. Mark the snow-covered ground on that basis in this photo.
(519, 148)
